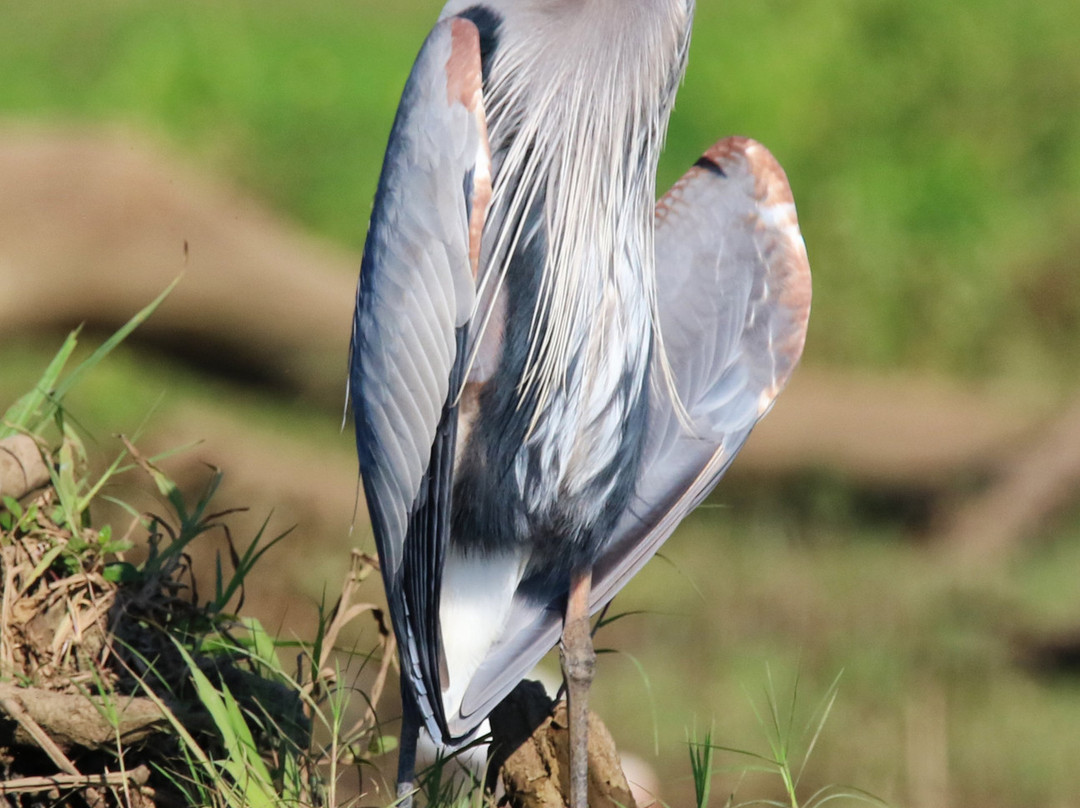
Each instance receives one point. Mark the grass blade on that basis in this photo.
(20, 416)
(108, 345)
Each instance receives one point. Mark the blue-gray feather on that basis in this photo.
(414, 301)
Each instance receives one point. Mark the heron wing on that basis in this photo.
(414, 302)
(734, 299)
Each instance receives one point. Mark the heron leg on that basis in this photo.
(578, 665)
(410, 731)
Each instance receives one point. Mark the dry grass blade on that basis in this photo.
(54, 622)
(361, 567)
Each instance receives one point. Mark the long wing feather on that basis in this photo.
(414, 301)
(734, 299)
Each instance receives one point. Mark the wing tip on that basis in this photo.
(789, 266)
(771, 182)
(722, 159)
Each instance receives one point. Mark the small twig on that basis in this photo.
(139, 775)
(14, 709)
(7, 599)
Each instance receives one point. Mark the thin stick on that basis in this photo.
(138, 775)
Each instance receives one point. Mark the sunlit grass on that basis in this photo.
(790, 745)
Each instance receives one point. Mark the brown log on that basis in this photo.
(74, 721)
(38, 736)
(102, 224)
(887, 431)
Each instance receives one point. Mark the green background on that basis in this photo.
(934, 152)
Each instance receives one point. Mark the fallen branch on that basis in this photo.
(73, 721)
(40, 737)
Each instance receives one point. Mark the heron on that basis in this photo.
(549, 369)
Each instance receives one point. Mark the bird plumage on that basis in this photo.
(547, 371)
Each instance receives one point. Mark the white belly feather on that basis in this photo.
(477, 591)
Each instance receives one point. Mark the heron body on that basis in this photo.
(549, 369)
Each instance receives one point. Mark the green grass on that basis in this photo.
(789, 751)
(933, 157)
(295, 102)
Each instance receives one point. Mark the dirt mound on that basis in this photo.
(93, 226)
(101, 659)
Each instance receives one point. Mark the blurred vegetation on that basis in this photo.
(934, 150)
(935, 686)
